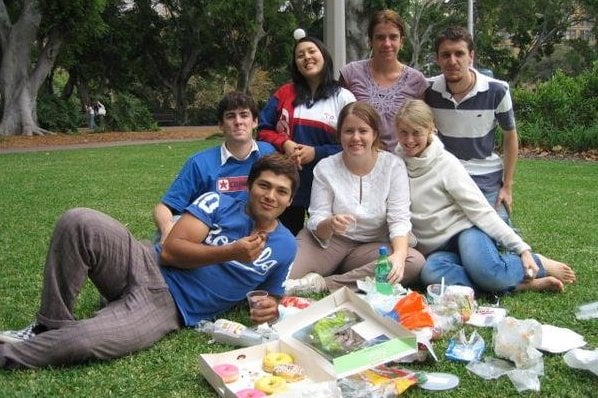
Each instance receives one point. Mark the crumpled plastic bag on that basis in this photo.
(490, 368)
(462, 349)
(411, 312)
(582, 359)
(517, 340)
(524, 380)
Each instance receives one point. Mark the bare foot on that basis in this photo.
(559, 270)
(548, 283)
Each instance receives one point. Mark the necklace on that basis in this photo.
(467, 89)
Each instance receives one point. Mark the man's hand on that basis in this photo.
(505, 196)
(249, 248)
(267, 311)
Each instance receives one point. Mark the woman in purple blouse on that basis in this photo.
(383, 80)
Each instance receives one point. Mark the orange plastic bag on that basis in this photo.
(411, 312)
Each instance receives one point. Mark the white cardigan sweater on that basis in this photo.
(445, 201)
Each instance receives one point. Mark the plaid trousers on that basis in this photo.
(140, 309)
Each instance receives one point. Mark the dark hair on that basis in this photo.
(454, 33)
(279, 164)
(328, 87)
(365, 112)
(383, 16)
(235, 100)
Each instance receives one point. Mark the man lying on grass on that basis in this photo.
(219, 250)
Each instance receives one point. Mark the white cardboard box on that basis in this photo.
(399, 343)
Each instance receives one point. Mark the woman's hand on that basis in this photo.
(341, 223)
(530, 268)
(304, 154)
(397, 259)
(267, 311)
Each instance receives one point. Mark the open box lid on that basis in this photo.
(391, 340)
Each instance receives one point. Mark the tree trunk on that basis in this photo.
(356, 26)
(247, 70)
(19, 83)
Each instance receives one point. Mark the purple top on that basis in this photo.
(357, 77)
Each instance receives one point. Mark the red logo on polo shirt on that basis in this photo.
(232, 184)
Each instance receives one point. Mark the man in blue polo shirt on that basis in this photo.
(220, 249)
(221, 169)
(468, 106)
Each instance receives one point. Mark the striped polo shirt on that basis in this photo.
(468, 128)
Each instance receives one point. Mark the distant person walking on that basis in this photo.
(90, 112)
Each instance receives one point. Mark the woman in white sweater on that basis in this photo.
(456, 228)
(359, 201)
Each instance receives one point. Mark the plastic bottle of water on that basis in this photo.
(381, 272)
(229, 332)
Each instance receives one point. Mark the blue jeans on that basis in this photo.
(471, 258)
(502, 210)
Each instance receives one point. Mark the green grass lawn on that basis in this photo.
(555, 207)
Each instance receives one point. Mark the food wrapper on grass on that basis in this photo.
(462, 349)
(516, 340)
(411, 312)
(380, 381)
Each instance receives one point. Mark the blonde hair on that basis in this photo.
(417, 112)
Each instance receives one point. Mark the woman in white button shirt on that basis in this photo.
(359, 202)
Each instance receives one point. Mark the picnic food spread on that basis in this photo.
(289, 371)
(273, 359)
(250, 393)
(228, 372)
(271, 384)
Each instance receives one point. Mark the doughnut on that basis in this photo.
(250, 393)
(276, 358)
(228, 372)
(289, 371)
(271, 384)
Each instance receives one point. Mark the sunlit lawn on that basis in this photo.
(555, 207)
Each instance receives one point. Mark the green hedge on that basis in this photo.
(561, 111)
(128, 113)
(58, 115)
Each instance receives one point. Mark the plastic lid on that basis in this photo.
(383, 251)
(440, 381)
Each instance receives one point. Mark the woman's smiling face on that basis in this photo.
(357, 136)
(413, 138)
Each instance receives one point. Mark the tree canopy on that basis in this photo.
(157, 50)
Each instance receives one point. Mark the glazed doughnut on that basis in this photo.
(276, 358)
(228, 372)
(250, 393)
(289, 371)
(271, 384)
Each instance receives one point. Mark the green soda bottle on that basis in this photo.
(381, 272)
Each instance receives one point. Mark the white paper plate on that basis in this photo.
(557, 340)
(440, 381)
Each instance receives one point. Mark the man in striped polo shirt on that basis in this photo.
(468, 107)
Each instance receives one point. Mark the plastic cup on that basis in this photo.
(254, 297)
(434, 293)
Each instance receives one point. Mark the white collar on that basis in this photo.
(225, 154)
